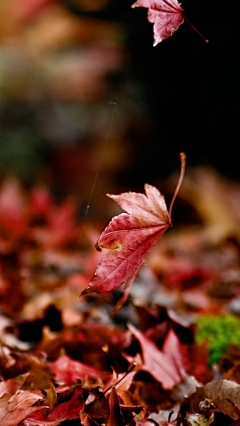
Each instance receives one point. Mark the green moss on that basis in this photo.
(219, 332)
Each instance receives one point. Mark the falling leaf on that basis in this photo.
(130, 236)
(167, 16)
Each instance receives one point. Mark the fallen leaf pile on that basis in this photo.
(169, 356)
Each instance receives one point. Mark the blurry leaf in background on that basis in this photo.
(57, 28)
(89, 5)
(13, 208)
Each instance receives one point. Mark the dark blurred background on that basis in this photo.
(83, 93)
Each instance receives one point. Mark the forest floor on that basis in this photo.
(170, 355)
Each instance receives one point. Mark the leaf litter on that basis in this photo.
(66, 360)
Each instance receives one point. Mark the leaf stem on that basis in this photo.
(182, 173)
(195, 29)
(131, 368)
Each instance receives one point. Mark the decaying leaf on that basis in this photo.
(130, 236)
(66, 410)
(223, 394)
(15, 408)
(200, 420)
(115, 415)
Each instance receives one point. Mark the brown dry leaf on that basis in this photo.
(38, 372)
(200, 420)
(15, 408)
(209, 194)
(115, 415)
(223, 394)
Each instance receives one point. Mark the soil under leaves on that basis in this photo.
(171, 354)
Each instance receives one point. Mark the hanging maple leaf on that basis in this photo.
(167, 16)
(130, 236)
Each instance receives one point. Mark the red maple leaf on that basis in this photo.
(167, 365)
(69, 370)
(166, 15)
(15, 408)
(130, 236)
(67, 410)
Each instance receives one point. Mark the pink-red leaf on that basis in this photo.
(67, 410)
(12, 385)
(166, 15)
(69, 370)
(129, 237)
(166, 366)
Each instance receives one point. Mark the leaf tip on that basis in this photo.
(86, 291)
(135, 5)
(112, 196)
(156, 42)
